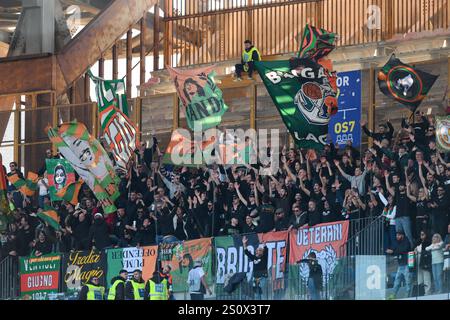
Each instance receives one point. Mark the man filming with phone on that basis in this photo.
(315, 276)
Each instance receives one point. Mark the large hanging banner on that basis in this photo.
(89, 159)
(130, 259)
(200, 97)
(121, 134)
(443, 133)
(39, 276)
(181, 256)
(325, 240)
(345, 125)
(230, 257)
(404, 83)
(304, 92)
(80, 266)
(59, 174)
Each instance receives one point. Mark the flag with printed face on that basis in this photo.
(404, 83)
(120, 133)
(59, 174)
(443, 133)
(26, 186)
(199, 96)
(89, 159)
(50, 216)
(304, 95)
(316, 43)
(70, 192)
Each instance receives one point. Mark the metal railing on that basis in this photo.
(9, 278)
(365, 237)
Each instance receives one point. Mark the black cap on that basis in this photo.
(123, 271)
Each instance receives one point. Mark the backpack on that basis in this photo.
(425, 260)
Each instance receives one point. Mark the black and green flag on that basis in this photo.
(404, 83)
(303, 94)
(316, 43)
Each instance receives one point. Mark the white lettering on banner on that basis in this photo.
(232, 260)
(40, 281)
(316, 235)
(276, 76)
(342, 81)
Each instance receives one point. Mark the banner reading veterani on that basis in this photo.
(230, 256)
(325, 240)
(80, 266)
(201, 98)
(181, 256)
(130, 259)
(39, 276)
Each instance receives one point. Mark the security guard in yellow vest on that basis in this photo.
(117, 290)
(92, 290)
(156, 288)
(134, 289)
(249, 55)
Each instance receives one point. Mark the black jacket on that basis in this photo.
(259, 264)
(99, 235)
(129, 292)
(401, 251)
(315, 272)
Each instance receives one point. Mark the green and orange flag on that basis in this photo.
(89, 159)
(26, 186)
(70, 192)
(59, 174)
(50, 216)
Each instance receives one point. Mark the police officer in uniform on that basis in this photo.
(117, 290)
(134, 289)
(156, 288)
(249, 55)
(92, 290)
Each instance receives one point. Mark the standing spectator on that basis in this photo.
(315, 277)
(260, 273)
(423, 263)
(98, 233)
(43, 190)
(25, 237)
(42, 246)
(439, 212)
(197, 282)
(437, 260)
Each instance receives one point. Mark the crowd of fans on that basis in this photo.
(403, 178)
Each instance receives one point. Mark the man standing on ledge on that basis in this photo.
(249, 55)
